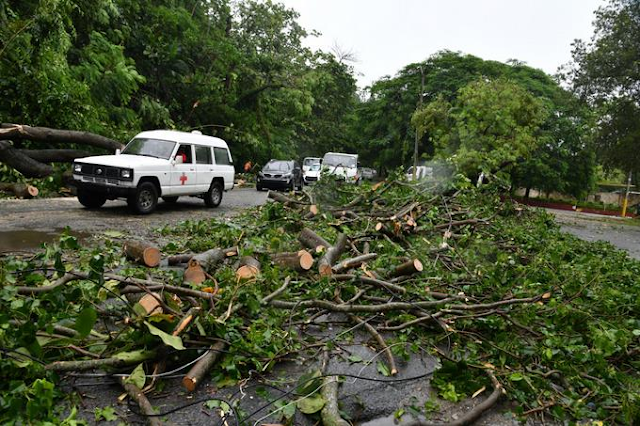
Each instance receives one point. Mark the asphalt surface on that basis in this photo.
(591, 227)
(25, 224)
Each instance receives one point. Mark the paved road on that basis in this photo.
(590, 227)
(30, 222)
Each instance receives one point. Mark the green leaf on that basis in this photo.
(107, 413)
(169, 340)
(139, 309)
(309, 383)
(137, 377)
(85, 321)
(113, 234)
(383, 369)
(516, 377)
(355, 358)
(311, 404)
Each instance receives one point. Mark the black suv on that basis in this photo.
(280, 174)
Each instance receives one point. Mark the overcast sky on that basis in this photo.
(386, 35)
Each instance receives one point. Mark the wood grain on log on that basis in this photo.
(298, 261)
(142, 252)
(248, 269)
(20, 190)
(409, 267)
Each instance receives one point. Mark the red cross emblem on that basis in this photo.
(183, 178)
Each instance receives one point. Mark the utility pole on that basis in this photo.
(626, 196)
(415, 145)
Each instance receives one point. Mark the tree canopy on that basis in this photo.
(563, 159)
(605, 73)
(239, 70)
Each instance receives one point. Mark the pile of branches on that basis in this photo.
(508, 303)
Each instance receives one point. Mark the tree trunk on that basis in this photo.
(143, 253)
(27, 166)
(45, 134)
(55, 155)
(209, 259)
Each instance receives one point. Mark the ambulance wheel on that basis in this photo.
(145, 199)
(91, 200)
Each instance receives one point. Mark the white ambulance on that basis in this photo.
(157, 163)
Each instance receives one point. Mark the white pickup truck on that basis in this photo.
(157, 163)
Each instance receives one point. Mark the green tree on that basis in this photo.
(491, 124)
(386, 135)
(605, 73)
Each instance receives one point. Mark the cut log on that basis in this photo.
(151, 303)
(312, 212)
(313, 241)
(211, 258)
(276, 196)
(185, 321)
(20, 190)
(139, 397)
(178, 259)
(325, 264)
(200, 368)
(404, 211)
(354, 262)
(194, 274)
(410, 267)
(248, 269)
(141, 252)
(383, 229)
(345, 213)
(298, 261)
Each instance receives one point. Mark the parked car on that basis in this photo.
(157, 163)
(312, 174)
(341, 165)
(280, 174)
(308, 162)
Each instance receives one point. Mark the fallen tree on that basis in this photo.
(36, 163)
(493, 290)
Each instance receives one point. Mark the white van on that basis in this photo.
(309, 162)
(342, 165)
(157, 163)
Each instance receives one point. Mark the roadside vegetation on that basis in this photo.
(503, 298)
